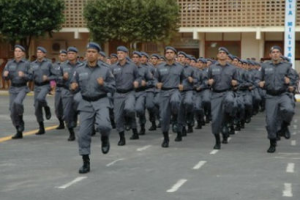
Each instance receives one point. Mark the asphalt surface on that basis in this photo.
(46, 167)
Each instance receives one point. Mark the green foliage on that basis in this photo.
(132, 20)
(22, 20)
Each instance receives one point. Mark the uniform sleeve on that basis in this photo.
(27, 75)
(137, 76)
(109, 82)
(52, 72)
(157, 75)
(150, 79)
(6, 69)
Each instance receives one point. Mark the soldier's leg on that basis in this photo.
(69, 112)
(272, 110)
(119, 113)
(140, 111)
(198, 109)
(217, 117)
(104, 127)
(188, 102)
(130, 113)
(287, 112)
(41, 100)
(59, 108)
(165, 114)
(14, 119)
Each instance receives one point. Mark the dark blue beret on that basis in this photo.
(102, 53)
(235, 57)
(171, 48)
(209, 59)
(122, 48)
(231, 56)
(163, 58)
(189, 57)
(94, 45)
(156, 55)
(182, 53)
(20, 47)
(194, 59)
(114, 55)
(144, 54)
(128, 59)
(42, 49)
(73, 49)
(244, 61)
(62, 51)
(276, 47)
(203, 60)
(224, 49)
(137, 53)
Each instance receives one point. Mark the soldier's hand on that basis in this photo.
(190, 79)
(144, 83)
(211, 81)
(262, 84)
(6, 73)
(286, 80)
(198, 88)
(159, 85)
(234, 83)
(74, 86)
(45, 78)
(100, 81)
(135, 84)
(180, 86)
(66, 76)
(20, 74)
(250, 88)
(291, 89)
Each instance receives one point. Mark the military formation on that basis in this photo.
(175, 91)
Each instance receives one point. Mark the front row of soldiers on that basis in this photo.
(227, 92)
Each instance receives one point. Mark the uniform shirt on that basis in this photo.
(146, 75)
(222, 76)
(273, 75)
(58, 73)
(13, 67)
(125, 75)
(189, 71)
(170, 75)
(39, 69)
(69, 68)
(204, 74)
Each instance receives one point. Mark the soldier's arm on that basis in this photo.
(6, 74)
(52, 73)
(109, 82)
(27, 75)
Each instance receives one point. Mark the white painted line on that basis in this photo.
(294, 133)
(295, 127)
(199, 165)
(112, 163)
(287, 158)
(76, 180)
(293, 142)
(177, 185)
(214, 152)
(287, 192)
(295, 120)
(144, 148)
(229, 139)
(290, 168)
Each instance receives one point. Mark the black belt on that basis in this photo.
(123, 90)
(140, 89)
(220, 91)
(18, 84)
(169, 88)
(96, 98)
(275, 93)
(41, 84)
(59, 85)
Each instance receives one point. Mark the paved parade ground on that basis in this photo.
(46, 167)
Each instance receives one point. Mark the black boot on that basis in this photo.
(127, 123)
(93, 132)
(105, 146)
(165, 143)
(142, 131)
(47, 112)
(153, 126)
(199, 125)
(272, 147)
(72, 134)
(41, 129)
(225, 139)
(285, 130)
(86, 165)
(21, 127)
(190, 129)
(179, 137)
(159, 125)
(183, 133)
(61, 124)
(18, 135)
(218, 142)
(135, 135)
(122, 141)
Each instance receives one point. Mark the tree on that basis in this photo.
(22, 20)
(132, 20)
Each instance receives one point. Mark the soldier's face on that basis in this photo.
(100, 57)
(113, 60)
(92, 55)
(154, 60)
(187, 61)
(144, 59)
(40, 54)
(72, 56)
(62, 57)
(222, 55)
(121, 55)
(181, 58)
(275, 55)
(235, 62)
(170, 55)
(135, 58)
(18, 53)
(193, 63)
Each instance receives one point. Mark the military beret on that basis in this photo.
(182, 53)
(231, 56)
(73, 49)
(189, 57)
(94, 45)
(210, 60)
(128, 59)
(137, 53)
(194, 59)
(235, 57)
(102, 53)
(276, 47)
(203, 60)
(155, 55)
(113, 55)
(144, 54)
(162, 58)
(122, 48)
(223, 49)
(171, 48)
(244, 61)
(42, 49)
(62, 51)
(20, 47)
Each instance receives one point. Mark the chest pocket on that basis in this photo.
(163, 71)
(269, 71)
(117, 71)
(83, 76)
(35, 67)
(216, 72)
(67, 70)
(12, 68)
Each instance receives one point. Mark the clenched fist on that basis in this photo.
(45, 78)
(286, 80)
(211, 81)
(5, 74)
(180, 86)
(66, 76)
(100, 81)
(21, 74)
(234, 83)
(74, 86)
(262, 84)
(135, 84)
(190, 79)
(143, 83)
(159, 85)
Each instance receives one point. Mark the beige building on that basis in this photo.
(248, 28)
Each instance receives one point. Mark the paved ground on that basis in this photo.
(46, 167)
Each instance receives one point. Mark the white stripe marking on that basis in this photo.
(76, 180)
(287, 192)
(290, 168)
(293, 142)
(199, 165)
(214, 151)
(229, 139)
(294, 133)
(295, 120)
(295, 127)
(177, 185)
(144, 148)
(112, 163)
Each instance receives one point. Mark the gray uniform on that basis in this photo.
(94, 104)
(18, 88)
(278, 103)
(222, 102)
(170, 98)
(206, 95)
(58, 98)
(150, 95)
(124, 97)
